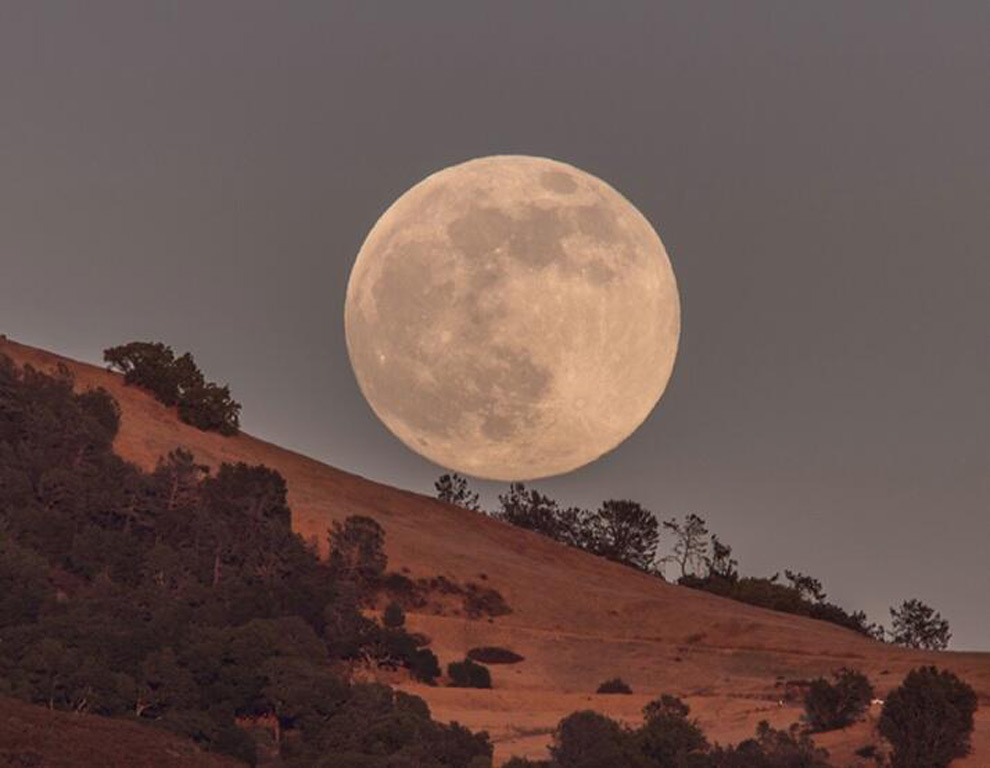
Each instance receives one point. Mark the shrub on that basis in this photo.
(928, 719)
(425, 666)
(771, 749)
(868, 751)
(615, 685)
(467, 674)
(768, 593)
(832, 705)
(494, 655)
(668, 737)
(393, 617)
(484, 601)
(590, 740)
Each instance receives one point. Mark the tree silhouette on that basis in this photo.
(177, 381)
(720, 563)
(534, 511)
(838, 703)
(454, 489)
(808, 587)
(928, 719)
(357, 550)
(668, 737)
(625, 532)
(917, 625)
(690, 543)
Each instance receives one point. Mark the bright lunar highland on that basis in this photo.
(512, 318)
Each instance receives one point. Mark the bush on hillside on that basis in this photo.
(837, 704)
(494, 655)
(928, 720)
(589, 739)
(425, 666)
(770, 748)
(668, 739)
(615, 685)
(770, 593)
(482, 601)
(393, 617)
(668, 736)
(468, 674)
(869, 752)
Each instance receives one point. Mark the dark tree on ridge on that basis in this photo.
(626, 532)
(917, 625)
(454, 489)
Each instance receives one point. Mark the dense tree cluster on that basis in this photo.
(770, 592)
(626, 532)
(620, 530)
(669, 738)
(182, 598)
(177, 381)
(928, 719)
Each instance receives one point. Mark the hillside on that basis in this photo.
(35, 737)
(576, 619)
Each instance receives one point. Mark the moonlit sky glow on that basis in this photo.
(204, 174)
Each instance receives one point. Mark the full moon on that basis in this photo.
(512, 318)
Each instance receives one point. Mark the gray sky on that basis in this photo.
(204, 174)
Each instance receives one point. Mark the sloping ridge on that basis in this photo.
(577, 619)
(35, 737)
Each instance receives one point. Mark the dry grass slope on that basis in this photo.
(34, 736)
(576, 619)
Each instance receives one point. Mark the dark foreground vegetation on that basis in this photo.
(183, 599)
(839, 702)
(928, 720)
(669, 738)
(625, 532)
(927, 723)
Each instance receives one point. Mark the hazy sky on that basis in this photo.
(204, 174)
